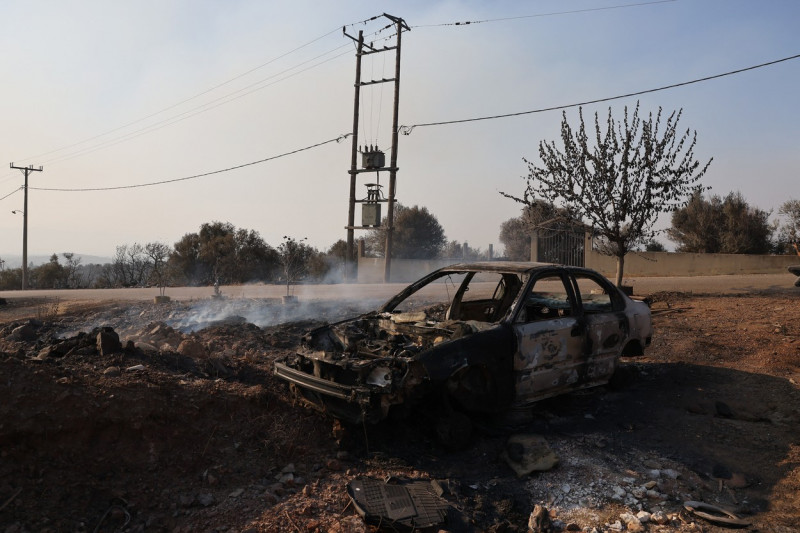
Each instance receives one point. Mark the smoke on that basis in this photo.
(265, 312)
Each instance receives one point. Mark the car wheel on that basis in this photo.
(454, 430)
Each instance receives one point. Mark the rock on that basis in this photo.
(659, 518)
(650, 484)
(670, 473)
(206, 500)
(108, 341)
(236, 493)
(112, 371)
(529, 453)
(565, 488)
(640, 492)
(539, 520)
(192, 348)
(618, 493)
(616, 526)
(632, 523)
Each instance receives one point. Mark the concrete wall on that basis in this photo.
(639, 264)
(685, 264)
(370, 269)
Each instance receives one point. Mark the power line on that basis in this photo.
(555, 13)
(406, 130)
(338, 139)
(202, 93)
(222, 100)
(9, 194)
(213, 104)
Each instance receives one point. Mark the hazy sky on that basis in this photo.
(108, 94)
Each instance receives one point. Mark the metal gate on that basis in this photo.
(560, 246)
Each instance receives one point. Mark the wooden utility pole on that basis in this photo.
(373, 155)
(25, 170)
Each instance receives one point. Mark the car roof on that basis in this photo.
(519, 267)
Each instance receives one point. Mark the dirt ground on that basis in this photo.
(183, 427)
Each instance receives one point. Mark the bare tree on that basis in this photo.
(619, 186)
(790, 229)
(158, 253)
(293, 255)
(71, 273)
(130, 266)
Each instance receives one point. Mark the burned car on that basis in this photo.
(471, 338)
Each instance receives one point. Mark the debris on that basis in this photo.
(409, 503)
(714, 514)
(529, 453)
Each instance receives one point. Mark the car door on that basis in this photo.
(550, 338)
(602, 308)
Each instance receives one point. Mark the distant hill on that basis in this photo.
(15, 260)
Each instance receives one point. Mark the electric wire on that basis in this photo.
(9, 194)
(198, 95)
(406, 130)
(213, 104)
(185, 115)
(338, 139)
(539, 15)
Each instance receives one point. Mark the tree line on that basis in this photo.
(220, 253)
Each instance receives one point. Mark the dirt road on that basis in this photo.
(645, 285)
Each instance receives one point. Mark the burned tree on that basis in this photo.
(619, 186)
(294, 256)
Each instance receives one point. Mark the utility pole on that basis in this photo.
(373, 159)
(25, 170)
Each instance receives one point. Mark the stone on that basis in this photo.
(112, 371)
(108, 341)
(539, 520)
(192, 348)
(528, 453)
(670, 473)
(659, 517)
(618, 493)
(206, 500)
(236, 493)
(643, 516)
(632, 523)
(650, 484)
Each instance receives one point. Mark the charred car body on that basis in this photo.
(479, 338)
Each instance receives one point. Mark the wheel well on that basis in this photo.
(632, 349)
